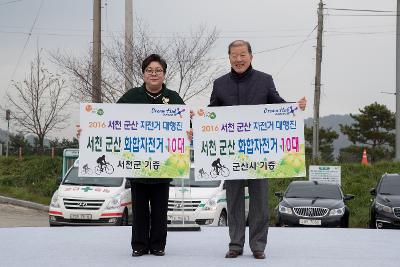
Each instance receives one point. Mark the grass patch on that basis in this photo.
(21, 193)
(35, 179)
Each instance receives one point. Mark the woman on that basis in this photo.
(149, 228)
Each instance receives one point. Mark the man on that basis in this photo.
(217, 165)
(102, 162)
(246, 86)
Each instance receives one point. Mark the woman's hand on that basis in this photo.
(78, 131)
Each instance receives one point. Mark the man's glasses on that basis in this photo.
(157, 72)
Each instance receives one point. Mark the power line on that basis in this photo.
(48, 34)
(364, 26)
(343, 15)
(88, 31)
(297, 50)
(9, 2)
(151, 36)
(360, 33)
(281, 47)
(360, 10)
(27, 41)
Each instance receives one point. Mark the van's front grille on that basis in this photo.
(81, 204)
(186, 205)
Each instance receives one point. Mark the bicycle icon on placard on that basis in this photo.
(103, 166)
(86, 169)
(219, 169)
(203, 174)
(223, 171)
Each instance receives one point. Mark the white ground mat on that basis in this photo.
(110, 246)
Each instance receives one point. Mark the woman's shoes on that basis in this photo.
(156, 252)
(141, 252)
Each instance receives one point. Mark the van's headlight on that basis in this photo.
(283, 209)
(54, 201)
(114, 203)
(337, 212)
(211, 204)
(381, 207)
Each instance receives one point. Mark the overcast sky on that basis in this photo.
(358, 58)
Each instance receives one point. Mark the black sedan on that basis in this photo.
(385, 208)
(310, 203)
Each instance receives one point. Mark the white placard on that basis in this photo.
(137, 140)
(254, 141)
(327, 174)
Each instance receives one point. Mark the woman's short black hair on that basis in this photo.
(154, 57)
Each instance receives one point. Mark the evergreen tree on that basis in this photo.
(326, 138)
(373, 129)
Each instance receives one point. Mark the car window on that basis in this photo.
(390, 185)
(312, 190)
(73, 179)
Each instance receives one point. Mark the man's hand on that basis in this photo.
(190, 132)
(302, 103)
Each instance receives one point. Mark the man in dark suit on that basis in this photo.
(246, 86)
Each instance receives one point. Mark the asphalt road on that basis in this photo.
(17, 216)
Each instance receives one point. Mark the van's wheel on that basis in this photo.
(344, 223)
(223, 219)
(123, 221)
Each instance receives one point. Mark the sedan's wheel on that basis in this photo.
(345, 223)
(222, 221)
(372, 224)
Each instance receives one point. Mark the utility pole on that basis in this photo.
(128, 44)
(96, 64)
(317, 92)
(397, 145)
(8, 118)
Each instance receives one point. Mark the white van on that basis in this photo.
(90, 201)
(201, 202)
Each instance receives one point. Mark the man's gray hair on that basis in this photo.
(239, 43)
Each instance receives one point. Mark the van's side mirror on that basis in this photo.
(348, 197)
(372, 191)
(128, 184)
(59, 180)
(279, 194)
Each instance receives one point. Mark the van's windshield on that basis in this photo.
(73, 179)
(192, 183)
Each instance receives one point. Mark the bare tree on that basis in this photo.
(39, 105)
(79, 73)
(194, 69)
(143, 45)
(189, 67)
